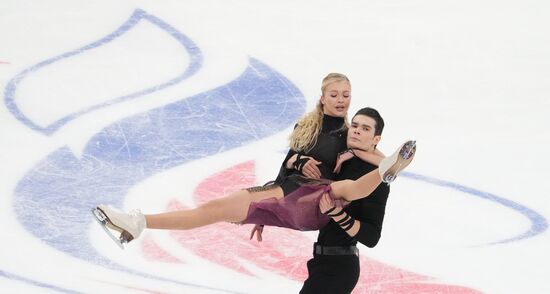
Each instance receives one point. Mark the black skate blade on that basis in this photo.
(102, 220)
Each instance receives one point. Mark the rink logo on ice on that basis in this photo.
(283, 252)
(53, 200)
(144, 55)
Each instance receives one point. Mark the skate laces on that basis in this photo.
(138, 218)
(135, 212)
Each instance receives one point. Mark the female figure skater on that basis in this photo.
(313, 149)
(298, 210)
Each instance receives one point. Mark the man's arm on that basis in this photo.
(366, 230)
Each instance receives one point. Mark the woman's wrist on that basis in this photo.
(290, 162)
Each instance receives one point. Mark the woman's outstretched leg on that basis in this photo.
(387, 171)
(232, 208)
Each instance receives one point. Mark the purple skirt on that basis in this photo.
(298, 210)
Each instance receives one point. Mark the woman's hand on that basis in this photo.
(308, 168)
(326, 205)
(342, 157)
(257, 229)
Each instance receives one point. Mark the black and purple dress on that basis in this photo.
(299, 209)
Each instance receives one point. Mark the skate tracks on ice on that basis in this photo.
(53, 199)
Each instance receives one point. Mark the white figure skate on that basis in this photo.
(391, 166)
(129, 225)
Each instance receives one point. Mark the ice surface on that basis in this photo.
(162, 106)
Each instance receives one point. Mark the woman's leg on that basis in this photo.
(232, 208)
(389, 168)
(350, 190)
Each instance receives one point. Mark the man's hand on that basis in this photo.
(326, 205)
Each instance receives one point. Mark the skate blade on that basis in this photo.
(406, 155)
(104, 222)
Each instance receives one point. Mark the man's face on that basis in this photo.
(361, 133)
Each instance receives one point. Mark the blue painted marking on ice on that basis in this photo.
(35, 283)
(538, 223)
(196, 60)
(54, 199)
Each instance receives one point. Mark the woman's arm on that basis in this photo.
(306, 165)
(370, 157)
(289, 164)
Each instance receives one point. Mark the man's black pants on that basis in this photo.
(332, 274)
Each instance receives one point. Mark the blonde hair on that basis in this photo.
(304, 136)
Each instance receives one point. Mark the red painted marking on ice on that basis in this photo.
(283, 251)
(4, 62)
(152, 251)
(377, 277)
(420, 287)
(226, 244)
(210, 242)
(226, 182)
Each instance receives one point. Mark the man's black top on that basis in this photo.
(369, 210)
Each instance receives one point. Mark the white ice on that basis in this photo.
(469, 80)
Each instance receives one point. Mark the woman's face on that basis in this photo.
(336, 99)
(361, 133)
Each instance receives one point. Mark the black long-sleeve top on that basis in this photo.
(329, 143)
(369, 210)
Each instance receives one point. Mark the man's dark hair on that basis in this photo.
(373, 113)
